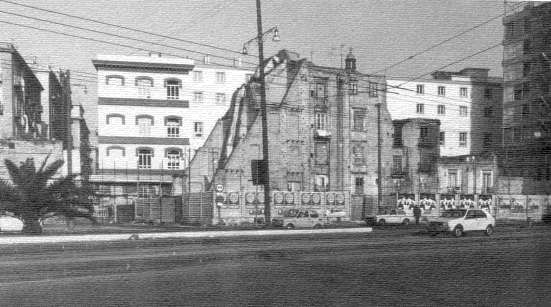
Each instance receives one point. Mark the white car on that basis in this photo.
(459, 221)
(10, 223)
(400, 218)
(300, 219)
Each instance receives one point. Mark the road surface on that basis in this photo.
(386, 267)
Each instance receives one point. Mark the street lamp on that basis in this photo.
(275, 38)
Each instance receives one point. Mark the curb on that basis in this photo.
(168, 235)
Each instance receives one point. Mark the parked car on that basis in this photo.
(393, 217)
(459, 221)
(294, 218)
(10, 223)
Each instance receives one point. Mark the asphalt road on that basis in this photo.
(386, 267)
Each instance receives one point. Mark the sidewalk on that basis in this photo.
(19, 239)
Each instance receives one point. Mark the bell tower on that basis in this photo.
(350, 62)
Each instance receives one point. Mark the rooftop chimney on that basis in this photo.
(206, 59)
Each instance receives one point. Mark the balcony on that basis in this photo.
(399, 173)
(426, 167)
(427, 142)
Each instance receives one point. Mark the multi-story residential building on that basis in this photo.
(527, 98)
(322, 127)
(415, 153)
(35, 116)
(467, 104)
(153, 112)
(20, 107)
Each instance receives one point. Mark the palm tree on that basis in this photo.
(32, 194)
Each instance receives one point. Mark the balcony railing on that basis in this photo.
(427, 142)
(399, 173)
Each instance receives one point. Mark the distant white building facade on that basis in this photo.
(153, 112)
(467, 103)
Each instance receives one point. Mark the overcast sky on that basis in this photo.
(381, 32)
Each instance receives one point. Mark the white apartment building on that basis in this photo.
(153, 112)
(467, 103)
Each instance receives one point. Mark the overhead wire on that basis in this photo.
(122, 27)
(440, 43)
(118, 36)
(104, 42)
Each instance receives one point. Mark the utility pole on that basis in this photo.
(265, 149)
(379, 170)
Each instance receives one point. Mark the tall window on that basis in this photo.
(487, 140)
(220, 98)
(424, 133)
(173, 157)
(397, 164)
(463, 111)
(487, 93)
(442, 91)
(397, 136)
(463, 92)
(373, 89)
(462, 139)
(358, 185)
(173, 127)
(321, 183)
(320, 90)
(353, 88)
(198, 76)
(420, 108)
(321, 153)
(442, 138)
(198, 128)
(358, 156)
(441, 109)
(321, 121)
(173, 89)
(359, 117)
(452, 178)
(486, 181)
(488, 111)
(1, 109)
(144, 125)
(220, 77)
(144, 158)
(198, 97)
(144, 87)
(420, 89)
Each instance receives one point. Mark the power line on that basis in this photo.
(440, 43)
(454, 62)
(121, 27)
(101, 41)
(115, 35)
(216, 11)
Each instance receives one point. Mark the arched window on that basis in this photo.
(145, 154)
(114, 119)
(173, 86)
(115, 151)
(114, 80)
(173, 156)
(144, 123)
(144, 85)
(173, 124)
